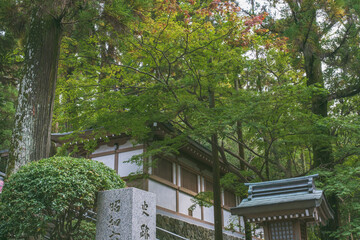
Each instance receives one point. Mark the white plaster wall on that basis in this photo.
(174, 173)
(209, 214)
(150, 165)
(108, 160)
(259, 232)
(199, 183)
(178, 174)
(184, 204)
(125, 168)
(202, 184)
(228, 219)
(165, 196)
(242, 224)
(104, 148)
(222, 196)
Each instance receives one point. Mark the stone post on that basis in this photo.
(126, 214)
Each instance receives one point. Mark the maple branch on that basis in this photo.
(139, 71)
(228, 165)
(247, 147)
(197, 76)
(254, 169)
(205, 45)
(143, 45)
(162, 30)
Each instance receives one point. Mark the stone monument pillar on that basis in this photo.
(126, 214)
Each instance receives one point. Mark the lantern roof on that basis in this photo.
(285, 199)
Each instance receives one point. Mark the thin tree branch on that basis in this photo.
(348, 92)
(254, 169)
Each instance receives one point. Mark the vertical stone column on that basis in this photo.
(126, 214)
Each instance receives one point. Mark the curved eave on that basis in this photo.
(276, 207)
(325, 209)
(263, 207)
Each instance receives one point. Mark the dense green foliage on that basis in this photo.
(9, 72)
(58, 191)
(165, 71)
(277, 113)
(285, 84)
(7, 111)
(343, 182)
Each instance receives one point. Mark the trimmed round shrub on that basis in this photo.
(52, 196)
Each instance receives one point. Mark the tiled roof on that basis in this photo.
(284, 198)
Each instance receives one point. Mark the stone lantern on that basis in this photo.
(285, 207)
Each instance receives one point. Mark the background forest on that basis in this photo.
(272, 85)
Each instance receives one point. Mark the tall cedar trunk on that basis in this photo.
(216, 178)
(31, 135)
(321, 145)
(322, 150)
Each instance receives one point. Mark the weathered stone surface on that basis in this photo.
(126, 214)
(186, 230)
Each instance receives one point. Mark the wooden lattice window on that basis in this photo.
(163, 169)
(189, 180)
(208, 186)
(281, 231)
(303, 231)
(229, 199)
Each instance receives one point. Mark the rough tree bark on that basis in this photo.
(322, 152)
(31, 134)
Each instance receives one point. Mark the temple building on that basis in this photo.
(285, 207)
(175, 179)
